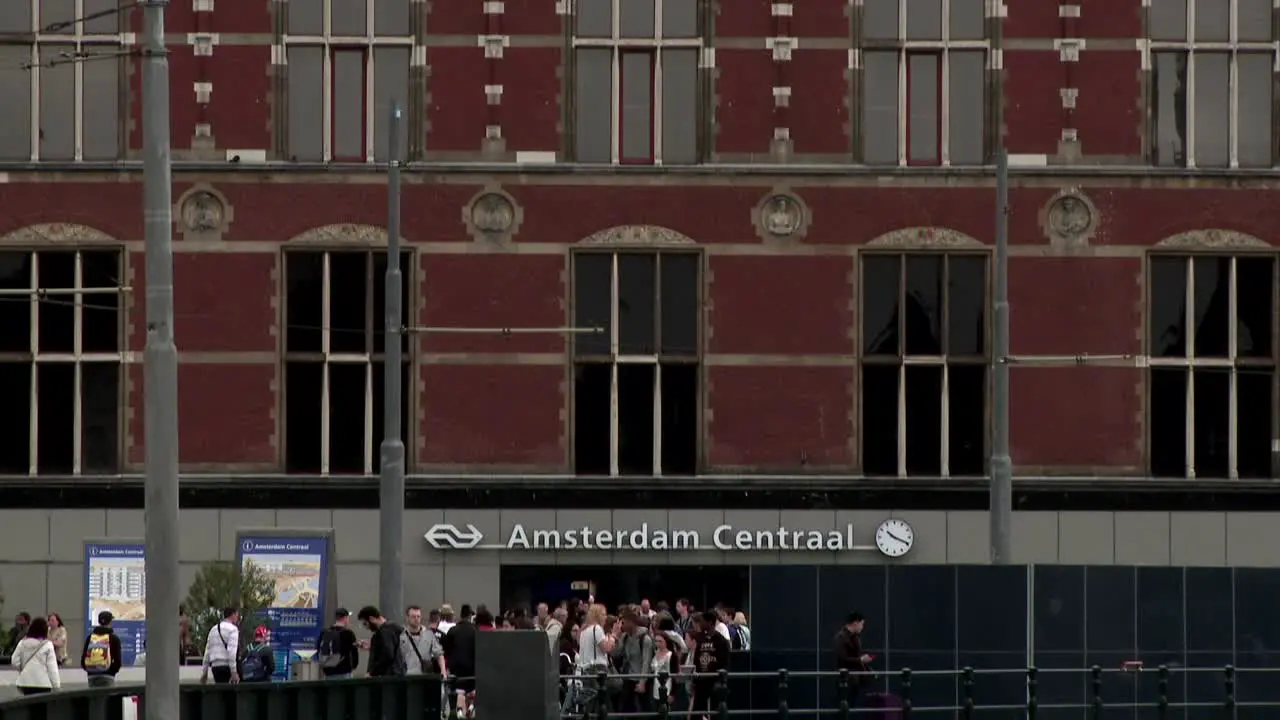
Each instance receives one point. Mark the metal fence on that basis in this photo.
(1097, 693)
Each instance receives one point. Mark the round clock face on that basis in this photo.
(894, 537)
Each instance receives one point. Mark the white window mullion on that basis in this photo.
(902, 420)
(370, 443)
(77, 347)
(945, 430)
(657, 419)
(655, 104)
(79, 103)
(1189, 321)
(35, 101)
(371, 114)
(616, 120)
(904, 123)
(34, 299)
(1233, 105)
(944, 88)
(77, 418)
(613, 419)
(327, 120)
(324, 418)
(326, 293)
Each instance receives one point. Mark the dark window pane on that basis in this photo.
(1167, 20)
(99, 269)
(1212, 422)
(306, 18)
(880, 19)
(1212, 277)
(636, 96)
(1160, 603)
(391, 17)
(1109, 609)
(680, 87)
(15, 421)
(379, 410)
(1167, 420)
(680, 401)
(966, 305)
(100, 318)
(1209, 611)
(349, 302)
(635, 418)
(1255, 421)
(1167, 314)
(348, 393)
(390, 87)
(924, 420)
(1212, 109)
(880, 106)
(966, 136)
(100, 417)
(1255, 306)
(986, 592)
(15, 88)
(636, 18)
(923, 307)
(679, 19)
(967, 419)
(680, 305)
(1169, 108)
(305, 100)
(304, 301)
(591, 417)
(592, 302)
(304, 393)
(58, 311)
(15, 310)
(1059, 608)
(55, 424)
(637, 296)
(1253, 20)
(1213, 20)
(879, 419)
(1257, 625)
(881, 276)
(348, 76)
(595, 18)
(57, 103)
(15, 17)
(349, 17)
(924, 20)
(593, 104)
(923, 129)
(1254, 110)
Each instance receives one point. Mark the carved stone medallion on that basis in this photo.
(492, 216)
(203, 214)
(1070, 219)
(781, 215)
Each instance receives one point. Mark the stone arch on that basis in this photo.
(638, 235)
(1212, 239)
(342, 234)
(924, 237)
(56, 234)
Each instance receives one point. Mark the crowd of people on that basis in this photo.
(37, 649)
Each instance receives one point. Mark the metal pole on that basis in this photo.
(161, 378)
(1001, 511)
(391, 501)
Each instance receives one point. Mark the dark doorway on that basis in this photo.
(703, 585)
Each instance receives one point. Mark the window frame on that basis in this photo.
(78, 357)
(903, 359)
(614, 358)
(331, 43)
(327, 357)
(83, 42)
(905, 47)
(618, 45)
(1233, 363)
(1233, 47)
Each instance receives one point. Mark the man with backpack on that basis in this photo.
(337, 650)
(259, 661)
(385, 658)
(101, 657)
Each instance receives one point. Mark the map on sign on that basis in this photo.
(296, 578)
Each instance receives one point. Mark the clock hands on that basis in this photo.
(895, 537)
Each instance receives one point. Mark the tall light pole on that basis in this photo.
(1000, 503)
(161, 378)
(391, 487)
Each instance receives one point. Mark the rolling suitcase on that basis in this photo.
(883, 706)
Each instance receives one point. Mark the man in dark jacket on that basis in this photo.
(17, 633)
(460, 658)
(337, 649)
(385, 659)
(101, 671)
(849, 653)
(711, 652)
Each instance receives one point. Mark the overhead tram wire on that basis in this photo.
(79, 56)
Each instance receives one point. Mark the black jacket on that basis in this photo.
(460, 649)
(848, 650)
(711, 652)
(348, 649)
(264, 651)
(115, 647)
(384, 651)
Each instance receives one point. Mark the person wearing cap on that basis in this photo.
(98, 678)
(259, 661)
(337, 650)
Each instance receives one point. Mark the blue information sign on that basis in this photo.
(298, 566)
(115, 580)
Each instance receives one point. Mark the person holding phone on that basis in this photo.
(850, 655)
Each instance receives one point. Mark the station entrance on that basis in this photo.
(614, 585)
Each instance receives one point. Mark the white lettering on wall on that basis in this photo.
(724, 537)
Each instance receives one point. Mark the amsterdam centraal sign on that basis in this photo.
(893, 538)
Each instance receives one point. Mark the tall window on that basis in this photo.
(348, 61)
(924, 82)
(1212, 347)
(636, 385)
(60, 362)
(1211, 83)
(636, 81)
(924, 365)
(334, 364)
(60, 79)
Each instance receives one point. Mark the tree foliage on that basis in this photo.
(222, 584)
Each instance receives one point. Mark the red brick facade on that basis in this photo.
(781, 331)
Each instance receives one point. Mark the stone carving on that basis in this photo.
(1211, 240)
(343, 234)
(780, 215)
(924, 237)
(492, 215)
(1069, 219)
(203, 214)
(55, 233)
(638, 235)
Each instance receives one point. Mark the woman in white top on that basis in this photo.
(663, 662)
(594, 644)
(36, 661)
